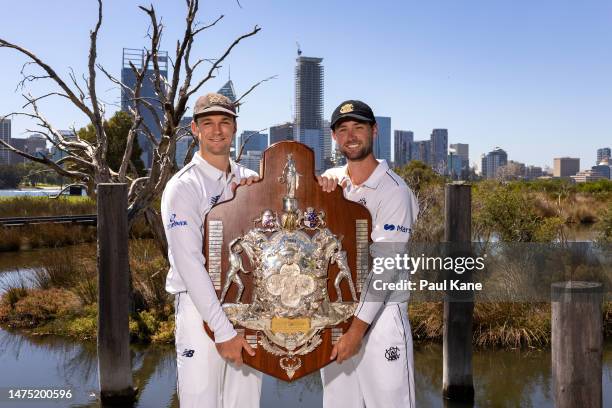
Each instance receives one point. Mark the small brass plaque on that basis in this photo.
(286, 325)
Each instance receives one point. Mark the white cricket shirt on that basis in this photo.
(186, 200)
(393, 208)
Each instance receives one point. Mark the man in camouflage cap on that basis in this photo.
(210, 373)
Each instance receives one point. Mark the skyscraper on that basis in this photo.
(420, 150)
(183, 141)
(309, 105)
(128, 77)
(228, 91)
(402, 140)
(5, 136)
(281, 132)
(462, 155)
(382, 143)
(492, 161)
(439, 150)
(327, 145)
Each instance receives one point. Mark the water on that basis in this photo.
(502, 378)
(33, 193)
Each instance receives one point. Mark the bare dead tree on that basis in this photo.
(86, 162)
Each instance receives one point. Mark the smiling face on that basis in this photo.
(215, 133)
(355, 138)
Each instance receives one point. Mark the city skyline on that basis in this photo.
(539, 93)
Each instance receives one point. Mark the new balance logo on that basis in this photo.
(188, 353)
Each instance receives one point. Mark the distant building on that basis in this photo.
(56, 153)
(439, 150)
(281, 132)
(454, 166)
(327, 146)
(228, 91)
(382, 142)
(255, 141)
(587, 175)
(251, 160)
(492, 161)
(421, 150)
(511, 171)
(308, 127)
(184, 140)
(5, 136)
(533, 172)
(602, 154)
(462, 150)
(128, 77)
(19, 144)
(566, 166)
(402, 140)
(603, 168)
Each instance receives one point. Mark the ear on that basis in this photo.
(374, 130)
(194, 128)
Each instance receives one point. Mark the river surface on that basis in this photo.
(502, 378)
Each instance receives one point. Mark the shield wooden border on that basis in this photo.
(235, 217)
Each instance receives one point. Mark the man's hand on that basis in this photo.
(231, 350)
(327, 183)
(350, 342)
(248, 181)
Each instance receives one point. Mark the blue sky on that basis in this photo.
(533, 77)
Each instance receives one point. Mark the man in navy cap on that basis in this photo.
(374, 360)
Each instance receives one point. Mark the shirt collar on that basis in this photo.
(213, 172)
(375, 178)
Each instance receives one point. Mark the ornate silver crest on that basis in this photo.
(290, 304)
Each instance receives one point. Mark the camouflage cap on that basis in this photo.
(213, 103)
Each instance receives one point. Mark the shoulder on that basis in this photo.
(395, 191)
(184, 182)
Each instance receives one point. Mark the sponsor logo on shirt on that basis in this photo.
(188, 353)
(399, 228)
(392, 353)
(362, 201)
(174, 223)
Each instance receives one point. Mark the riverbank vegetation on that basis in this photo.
(61, 296)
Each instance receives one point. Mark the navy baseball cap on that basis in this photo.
(352, 109)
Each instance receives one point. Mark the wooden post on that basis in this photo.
(577, 341)
(114, 363)
(457, 382)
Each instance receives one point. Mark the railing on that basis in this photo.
(87, 219)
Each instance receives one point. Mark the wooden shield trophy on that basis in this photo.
(288, 262)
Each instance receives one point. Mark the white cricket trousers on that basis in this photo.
(204, 379)
(381, 375)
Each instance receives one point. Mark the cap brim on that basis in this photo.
(215, 109)
(351, 116)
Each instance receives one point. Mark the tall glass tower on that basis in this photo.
(309, 106)
(128, 77)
